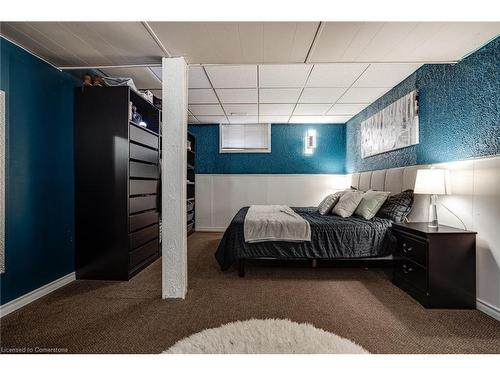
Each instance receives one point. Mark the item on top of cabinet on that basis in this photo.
(120, 81)
(98, 82)
(87, 79)
(148, 95)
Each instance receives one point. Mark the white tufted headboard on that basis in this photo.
(394, 180)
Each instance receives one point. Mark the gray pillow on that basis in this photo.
(327, 204)
(370, 203)
(347, 203)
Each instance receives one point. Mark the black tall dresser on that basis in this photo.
(117, 179)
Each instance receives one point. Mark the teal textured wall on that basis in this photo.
(459, 114)
(287, 156)
(39, 171)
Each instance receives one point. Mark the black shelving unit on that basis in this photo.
(191, 183)
(117, 182)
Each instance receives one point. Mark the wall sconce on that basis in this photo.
(310, 142)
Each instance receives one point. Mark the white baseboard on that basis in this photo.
(210, 229)
(19, 302)
(488, 309)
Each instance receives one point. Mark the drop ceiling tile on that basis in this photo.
(276, 109)
(202, 96)
(335, 75)
(385, 75)
(346, 109)
(197, 79)
(279, 95)
(240, 109)
(363, 94)
(243, 119)
(319, 119)
(236, 96)
(321, 94)
(212, 119)
(273, 119)
(311, 109)
(206, 109)
(232, 76)
(290, 75)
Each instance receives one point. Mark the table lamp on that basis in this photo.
(432, 182)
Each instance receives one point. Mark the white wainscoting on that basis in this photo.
(220, 196)
(475, 198)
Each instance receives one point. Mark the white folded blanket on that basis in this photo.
(275, 223)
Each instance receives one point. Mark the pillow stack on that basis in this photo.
(368, 204)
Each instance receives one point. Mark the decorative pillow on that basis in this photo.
(327, 204)
(397, 207)
(371, 203)
(347, 203)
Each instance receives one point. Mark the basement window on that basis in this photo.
(244, 138)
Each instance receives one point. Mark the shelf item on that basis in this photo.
(190, 205)
(117, 179)
(191, 182)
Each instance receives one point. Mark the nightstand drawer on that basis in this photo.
(412, 273)
(412, 248)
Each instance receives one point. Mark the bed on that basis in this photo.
(332, 237)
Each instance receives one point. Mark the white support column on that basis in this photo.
(174, 164)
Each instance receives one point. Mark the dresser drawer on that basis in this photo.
(142, 236)
(412, 248)
(143, 187)
(142, 253)
(143, 137)
(414, 274)
(145, 219)
(138, 204)
(145, 154)
(140, 170)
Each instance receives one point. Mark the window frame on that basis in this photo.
(245, 150)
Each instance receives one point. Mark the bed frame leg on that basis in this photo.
(241, 267)
(314, 263)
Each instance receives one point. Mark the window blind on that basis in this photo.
(244, 137)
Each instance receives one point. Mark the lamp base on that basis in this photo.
(433, 215)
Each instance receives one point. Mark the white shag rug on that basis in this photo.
(269, 336)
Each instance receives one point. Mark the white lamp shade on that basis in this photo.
(431, 181)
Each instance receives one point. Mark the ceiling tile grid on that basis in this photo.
(260, 71)
(291, 92)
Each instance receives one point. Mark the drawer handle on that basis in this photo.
(407, 269)
(407, 249)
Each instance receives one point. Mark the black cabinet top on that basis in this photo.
(423, 229)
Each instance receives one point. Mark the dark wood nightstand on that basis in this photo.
(436, 266)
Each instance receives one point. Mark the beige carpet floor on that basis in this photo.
(130, 317)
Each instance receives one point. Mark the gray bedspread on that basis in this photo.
(332, 237)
